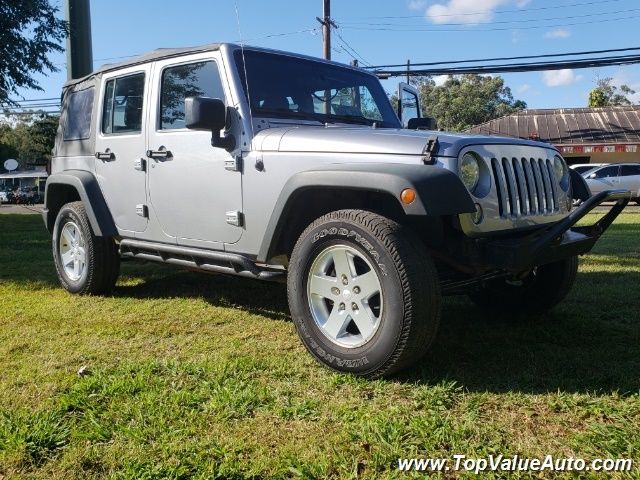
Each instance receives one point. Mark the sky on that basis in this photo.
(382, 32)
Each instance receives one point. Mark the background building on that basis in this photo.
(583, 135)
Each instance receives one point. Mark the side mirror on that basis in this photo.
(425, 123)
(202, 113)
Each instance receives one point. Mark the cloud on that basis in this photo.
(558, 33)
(440, 79)
(560, 78)
(468, 11)
(523, 88)
(417, 4)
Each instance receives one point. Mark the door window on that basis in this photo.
(123, 102)
(409, 106)
(78, 120)
(607, 172)
(200, 79)
(629, 170)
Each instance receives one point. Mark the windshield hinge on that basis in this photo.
(430, 150)
(233, 164)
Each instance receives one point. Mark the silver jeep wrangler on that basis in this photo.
(277, 166)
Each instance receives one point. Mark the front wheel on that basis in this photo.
(538, 291)
(363, 293)
(85, 263)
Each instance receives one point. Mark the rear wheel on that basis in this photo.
(363, 293)
(85, 263)
(538, 291)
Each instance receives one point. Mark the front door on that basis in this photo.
(190, 190)
(120, 144)
(606, 178)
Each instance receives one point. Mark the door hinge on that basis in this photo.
(140, 164)
(142, 210)
(233, 164)
(235, 218)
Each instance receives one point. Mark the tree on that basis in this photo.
(606, 94)
(29, 32)
(466, 100)
(29, 142)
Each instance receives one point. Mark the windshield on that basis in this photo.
(583, 168)
(288, 87)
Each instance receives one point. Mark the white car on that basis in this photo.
(3, 197)
(625, 176)
(585, 167)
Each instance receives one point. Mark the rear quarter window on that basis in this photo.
(77, 124)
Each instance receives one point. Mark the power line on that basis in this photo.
(524, 57)
(497, 12)
(346, 46)
(517, 67)
(526, 20)
(476, 30)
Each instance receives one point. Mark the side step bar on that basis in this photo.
(196, 259)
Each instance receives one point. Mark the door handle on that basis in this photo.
(161, 154)
(107, 155)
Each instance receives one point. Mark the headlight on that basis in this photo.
(469, 171)
(559, 168)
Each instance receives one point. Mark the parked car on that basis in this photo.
(277, 166)
(585, 167)
(625, 176)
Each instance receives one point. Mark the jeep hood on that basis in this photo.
(350, 139)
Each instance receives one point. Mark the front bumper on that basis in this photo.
(561, 240)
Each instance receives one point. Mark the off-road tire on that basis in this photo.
(412, 300)
(547, 286)
(102, 257)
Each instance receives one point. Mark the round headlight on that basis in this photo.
(559, 168)
(469, 171)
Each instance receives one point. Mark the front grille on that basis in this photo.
(525, 186)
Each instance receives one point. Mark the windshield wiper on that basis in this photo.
(284, 113)
(359, 119)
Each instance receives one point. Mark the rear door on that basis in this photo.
(194, 190)
(630, 179)
(120, 145)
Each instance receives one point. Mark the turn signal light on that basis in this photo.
(407, 196)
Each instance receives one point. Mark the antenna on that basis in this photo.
(244, 64)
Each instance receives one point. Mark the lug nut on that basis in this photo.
(354, 307)
(335, 290)
(342, 306)
(345, 280)
(356, 290)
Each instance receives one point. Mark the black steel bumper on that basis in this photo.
(561, 240)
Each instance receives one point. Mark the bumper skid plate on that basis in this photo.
(561, 240)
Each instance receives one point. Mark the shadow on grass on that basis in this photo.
(591, 342)
(254, 296)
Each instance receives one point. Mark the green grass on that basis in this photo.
(196, 376)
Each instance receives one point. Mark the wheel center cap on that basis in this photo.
(346, 294)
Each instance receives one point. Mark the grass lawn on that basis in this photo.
(197, 376)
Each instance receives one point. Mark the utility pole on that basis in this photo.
(79, 50)
(326, 23)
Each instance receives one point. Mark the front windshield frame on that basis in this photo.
(339, 76)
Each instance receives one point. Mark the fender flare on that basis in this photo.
(86, 184)
(439, 191)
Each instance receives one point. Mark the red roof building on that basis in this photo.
(583, 135)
